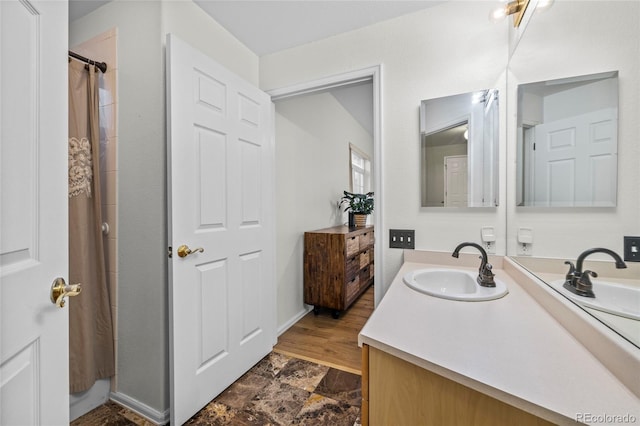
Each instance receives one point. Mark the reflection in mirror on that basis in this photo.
(567, 142)
(616, 300)
(459, 150)
(575, 38)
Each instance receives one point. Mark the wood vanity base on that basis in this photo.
(400, 393)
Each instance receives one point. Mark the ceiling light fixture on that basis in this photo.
(515, 8)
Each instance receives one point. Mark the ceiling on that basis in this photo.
(269, 26)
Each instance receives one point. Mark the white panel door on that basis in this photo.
(222, 299)
(575, 161)
(456, 181)
(34, 371)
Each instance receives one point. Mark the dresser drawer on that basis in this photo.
(352, 267)
(352, 245)
(352, 287)
(365, 274)
(364, 259)
(366, 240)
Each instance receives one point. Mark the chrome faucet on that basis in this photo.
(578, 281)
(485, 275)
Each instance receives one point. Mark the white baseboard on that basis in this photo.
(297, 317)
(153, 415)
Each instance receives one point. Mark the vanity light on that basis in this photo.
(544, 4)
(515, 8)
(466, 134)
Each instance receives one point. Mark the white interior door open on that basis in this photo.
(221, 205)
(34, 333)
(456, 181)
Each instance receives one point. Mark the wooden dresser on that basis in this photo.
(338, 266)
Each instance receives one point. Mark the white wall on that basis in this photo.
(604, 36)
(447, 49)
(581, 100)
(187, 20)
(143, 364)
(313, 133)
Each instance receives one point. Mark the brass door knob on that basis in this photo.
(184, 250)
(60, 289)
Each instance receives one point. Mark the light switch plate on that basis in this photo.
(632, 249)
(402, 238)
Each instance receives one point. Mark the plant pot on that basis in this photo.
(360, 219)
(352, 221)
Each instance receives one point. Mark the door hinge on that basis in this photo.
(170, 252)
(534, 146)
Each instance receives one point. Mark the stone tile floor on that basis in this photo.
(279, 390)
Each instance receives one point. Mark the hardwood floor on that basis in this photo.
(332, 342)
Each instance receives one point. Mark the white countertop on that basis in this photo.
(511, 349)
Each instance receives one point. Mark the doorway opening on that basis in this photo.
(289, 268)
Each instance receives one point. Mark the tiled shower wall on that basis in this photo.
(103, 48)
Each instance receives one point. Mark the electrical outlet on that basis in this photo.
(488, 237)
(524, 249)
(525, 242)
(632, 249)
(402, 238)
(489, 247)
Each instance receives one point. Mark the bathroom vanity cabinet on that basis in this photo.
(338, 266)
(396, 391)
(431, 360)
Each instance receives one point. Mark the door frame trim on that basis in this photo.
(373, 74)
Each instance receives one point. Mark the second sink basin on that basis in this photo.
(452, 284)
(613, 298)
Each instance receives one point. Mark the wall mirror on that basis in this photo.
(459, 150)
(567, 142)
(596, 46)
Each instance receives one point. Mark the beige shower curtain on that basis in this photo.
(91, 353)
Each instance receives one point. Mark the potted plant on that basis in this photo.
(360, 205)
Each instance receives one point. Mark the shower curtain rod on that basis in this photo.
(102, 66)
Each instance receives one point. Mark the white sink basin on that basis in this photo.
(453, 284)
(613, 298)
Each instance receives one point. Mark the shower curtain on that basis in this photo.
(91, 353)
